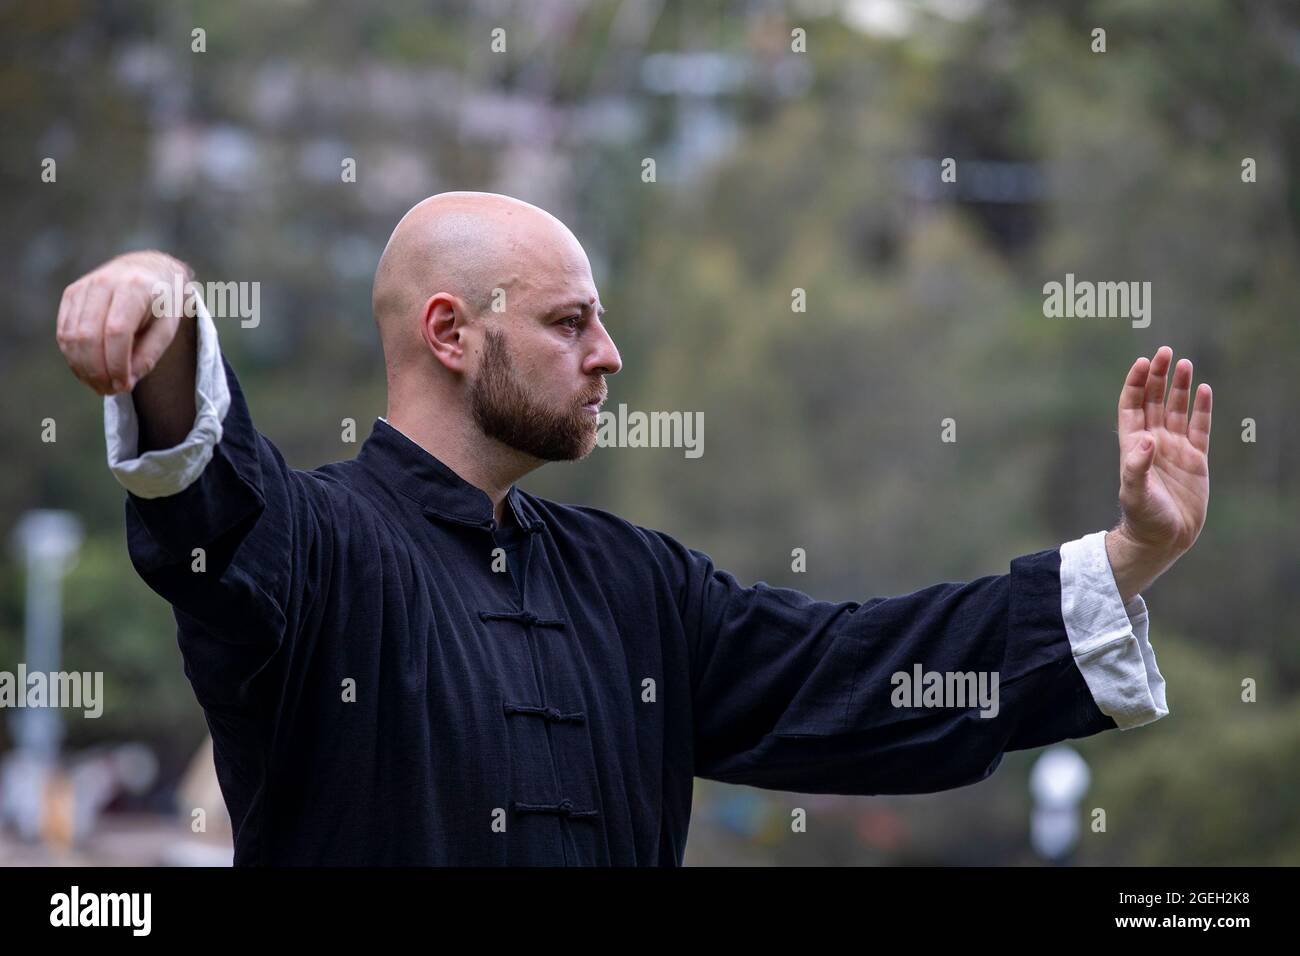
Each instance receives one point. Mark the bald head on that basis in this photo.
(491, 383)
(466, 244)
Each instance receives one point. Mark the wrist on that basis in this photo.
(164, 396)
(1135, 564)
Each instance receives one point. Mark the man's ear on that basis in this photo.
(443, 328)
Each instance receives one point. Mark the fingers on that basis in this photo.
(130, 306)
(1142, 405)
(69, 309)
(1154, 404)
(87, 336)
(101, 314)
(65, 313)
(1198, 431)
(1176, 412)
(1132, 418)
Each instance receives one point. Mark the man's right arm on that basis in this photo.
(217, 523)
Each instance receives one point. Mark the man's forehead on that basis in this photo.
(569, 288)
(554, 272)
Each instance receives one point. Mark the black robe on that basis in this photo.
(378, 694)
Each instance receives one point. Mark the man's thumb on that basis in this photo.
(1138, 460)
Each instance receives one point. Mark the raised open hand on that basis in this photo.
(1164, 456)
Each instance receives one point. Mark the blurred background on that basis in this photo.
(779, 165)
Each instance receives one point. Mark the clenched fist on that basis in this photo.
(108, 330)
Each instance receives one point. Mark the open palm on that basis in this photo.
(1164, 454)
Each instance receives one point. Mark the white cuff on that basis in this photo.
(168, 471)
(1109, 639)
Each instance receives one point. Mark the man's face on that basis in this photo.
(540, 375)
(514, 412)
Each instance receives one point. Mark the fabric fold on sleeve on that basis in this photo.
(1108, 638)
(167, 471)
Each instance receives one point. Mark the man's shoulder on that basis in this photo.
(340, 490)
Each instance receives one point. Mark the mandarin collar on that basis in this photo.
(441, 493)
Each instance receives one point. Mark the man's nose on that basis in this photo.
(603, 356)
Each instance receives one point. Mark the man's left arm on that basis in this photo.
(927, 691)
(1164, 494)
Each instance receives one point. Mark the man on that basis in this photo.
(404, 659)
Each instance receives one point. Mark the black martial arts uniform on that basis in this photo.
(378, 694)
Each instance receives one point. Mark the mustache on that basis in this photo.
(597, 398)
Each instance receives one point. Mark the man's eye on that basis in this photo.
(571, 322)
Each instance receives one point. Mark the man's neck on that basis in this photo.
(481, 461)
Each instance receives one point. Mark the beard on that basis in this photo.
(504, 410)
